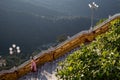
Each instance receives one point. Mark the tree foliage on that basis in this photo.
(100, 60)
(61, 38)
(100, 21)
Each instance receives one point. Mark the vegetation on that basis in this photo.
(100, 60)
(14, 60)
(61, 38)
(100, 21)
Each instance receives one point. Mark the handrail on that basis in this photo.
(107, 20)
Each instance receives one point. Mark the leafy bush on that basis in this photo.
(100, 60)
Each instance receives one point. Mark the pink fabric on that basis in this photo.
(33, 66)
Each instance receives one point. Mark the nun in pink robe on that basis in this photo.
(33, 65)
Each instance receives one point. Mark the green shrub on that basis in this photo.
(100, 60)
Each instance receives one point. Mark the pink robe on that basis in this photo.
(33, 66)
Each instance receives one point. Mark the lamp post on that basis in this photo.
(92, 6)
(14, 49)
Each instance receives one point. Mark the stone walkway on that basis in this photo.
(46, 71)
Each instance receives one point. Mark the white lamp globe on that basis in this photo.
(17, 47)
(18, 51)
(11, 52)
(10, 49)
(13, 45)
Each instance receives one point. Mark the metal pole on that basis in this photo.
(92, 7)
(92, 14)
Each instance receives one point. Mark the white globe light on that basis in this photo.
(90, 5)
(97, 6)
(13, 45)
(11, 52)
(10, 49)
(18, 51)
(93, 3)
(17, 47)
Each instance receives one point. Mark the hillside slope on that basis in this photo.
(98, 60)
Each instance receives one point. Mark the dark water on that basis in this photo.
(30, 33)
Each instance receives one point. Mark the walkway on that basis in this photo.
(46, 71)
